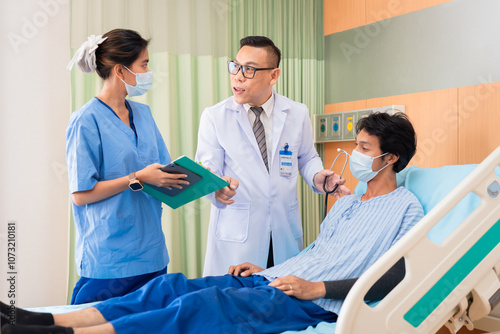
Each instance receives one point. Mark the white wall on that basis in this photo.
(34, 112)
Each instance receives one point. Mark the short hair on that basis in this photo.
(122, 46)
(263, 42)
(395, 133)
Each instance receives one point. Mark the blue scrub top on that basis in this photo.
(120, 236)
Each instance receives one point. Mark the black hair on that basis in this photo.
(263, 42)
(122, 47)
(395, 134)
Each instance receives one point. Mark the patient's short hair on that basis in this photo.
(395, 134)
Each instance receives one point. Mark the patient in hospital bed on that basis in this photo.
(303, 291)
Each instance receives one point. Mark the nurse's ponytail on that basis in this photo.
(102, 53)
(122, 47)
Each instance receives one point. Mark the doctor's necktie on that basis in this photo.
(260, 134)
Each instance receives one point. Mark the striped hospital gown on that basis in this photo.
(353, 236)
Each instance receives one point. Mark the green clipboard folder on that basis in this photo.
(208, 184)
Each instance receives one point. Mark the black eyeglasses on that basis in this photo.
(247, 71)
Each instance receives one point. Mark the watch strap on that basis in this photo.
(132, 177)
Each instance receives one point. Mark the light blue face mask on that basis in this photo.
(144, 81)
(361, 166)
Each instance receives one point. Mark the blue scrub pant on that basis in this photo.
(89, 290)
(222, 304)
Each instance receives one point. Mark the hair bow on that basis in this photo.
(85, 55)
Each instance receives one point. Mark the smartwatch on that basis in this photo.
(134, 183)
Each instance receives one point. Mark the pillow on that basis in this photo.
(431, 185)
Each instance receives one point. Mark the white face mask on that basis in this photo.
(361, 166)
(143, 83)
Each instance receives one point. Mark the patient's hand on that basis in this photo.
(299, 288)
(244, 269)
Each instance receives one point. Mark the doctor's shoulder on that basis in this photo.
(297, 113)
(220, 108)
(222, 105)
(294, 106)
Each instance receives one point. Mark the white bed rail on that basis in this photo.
(428, 263)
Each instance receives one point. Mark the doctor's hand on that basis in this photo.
(244, 269)
(299, 288)
(225, 194)
(153, 175)
(331, 181)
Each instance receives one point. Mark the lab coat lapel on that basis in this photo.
(244, 123)
(280, 110)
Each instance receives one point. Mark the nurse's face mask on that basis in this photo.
(143, 83)
(361, 166)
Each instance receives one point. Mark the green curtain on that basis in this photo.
(191, 40)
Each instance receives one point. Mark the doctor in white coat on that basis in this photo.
(257, 218)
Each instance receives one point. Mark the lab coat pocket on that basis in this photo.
(294, 220)
(232, 223)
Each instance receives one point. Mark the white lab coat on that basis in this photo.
(265, 202)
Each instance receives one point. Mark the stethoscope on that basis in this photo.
(327, 193)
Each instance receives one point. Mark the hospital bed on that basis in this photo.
(452, 258)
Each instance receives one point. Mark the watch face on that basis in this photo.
(135, 186)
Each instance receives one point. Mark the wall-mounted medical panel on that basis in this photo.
(341, 126)
(336, 127)
(349, 119)
(321, 124)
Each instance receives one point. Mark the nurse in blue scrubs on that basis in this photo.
(113, 146)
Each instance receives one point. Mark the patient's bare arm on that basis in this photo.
(244, 269)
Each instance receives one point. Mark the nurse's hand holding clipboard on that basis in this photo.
(153, 175)
(150, 174)
(225, 194)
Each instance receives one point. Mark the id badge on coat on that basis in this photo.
(285, 162)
